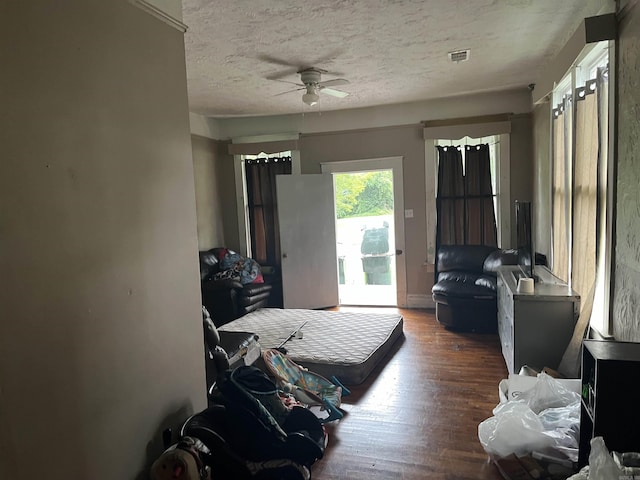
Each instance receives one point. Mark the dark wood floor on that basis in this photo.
(416, 416)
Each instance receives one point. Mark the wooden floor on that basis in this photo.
(416, 416)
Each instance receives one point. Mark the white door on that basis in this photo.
(307, 240)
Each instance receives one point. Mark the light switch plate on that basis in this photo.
(408, 213)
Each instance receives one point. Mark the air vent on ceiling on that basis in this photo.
(459, 56)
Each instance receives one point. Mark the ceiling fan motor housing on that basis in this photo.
(310, 76)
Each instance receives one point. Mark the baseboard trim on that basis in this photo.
(420, 301)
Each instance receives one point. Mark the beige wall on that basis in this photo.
(511, 101)
(521, 167)
(228, 197)
(209, 201)
(100, 325)
(626, 295)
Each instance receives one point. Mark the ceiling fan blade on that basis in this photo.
(287, 81)
(278, 61)
(282, 74)
(294, 66)
(334, 83)
(333, 92)
(289, 91)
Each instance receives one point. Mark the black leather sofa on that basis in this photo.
(228, 298)
(465, 290)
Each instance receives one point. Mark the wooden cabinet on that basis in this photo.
(610, 398)
(535, 328)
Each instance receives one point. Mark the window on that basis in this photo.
(261, 204)
(494, 130)
(471, 193)
(561, 182)
(252, 147)
(580, 164)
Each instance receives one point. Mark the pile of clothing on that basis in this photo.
(232, 265)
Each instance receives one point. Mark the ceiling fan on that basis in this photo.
(311, 82)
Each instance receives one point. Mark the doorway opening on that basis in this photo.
(365, 238)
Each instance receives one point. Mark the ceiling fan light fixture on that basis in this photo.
(310, 99)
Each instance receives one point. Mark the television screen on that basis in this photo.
(524, 238)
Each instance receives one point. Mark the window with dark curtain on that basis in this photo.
(464, 204)
(263, 209)
(481, 226)
(450, 197)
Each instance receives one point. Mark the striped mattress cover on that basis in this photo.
(345, 344)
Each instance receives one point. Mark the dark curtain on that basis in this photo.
(450, 197)
(464, 203)
(481, 228)
(263, 209)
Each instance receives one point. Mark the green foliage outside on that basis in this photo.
(364, 194)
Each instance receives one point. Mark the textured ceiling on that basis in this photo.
(241, 53)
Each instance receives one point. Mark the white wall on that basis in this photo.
(100, 325)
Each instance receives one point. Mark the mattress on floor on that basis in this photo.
(345, 344)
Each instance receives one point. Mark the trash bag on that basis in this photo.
(605, 465)
(548, 392)
(544, 419)
(601, 464)
(375, 241)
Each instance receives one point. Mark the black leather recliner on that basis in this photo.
(228, 298)
(465, 291)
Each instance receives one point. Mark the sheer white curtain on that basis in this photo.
(561, 192)
(585, 190)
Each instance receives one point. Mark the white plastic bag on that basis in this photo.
(544, 418)
(608, 466)
(601, 463)
(548, 392)
(515, 428)
(516, 384)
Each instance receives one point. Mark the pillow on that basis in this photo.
(259, 279)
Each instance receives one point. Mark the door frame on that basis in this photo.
(395, 165)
